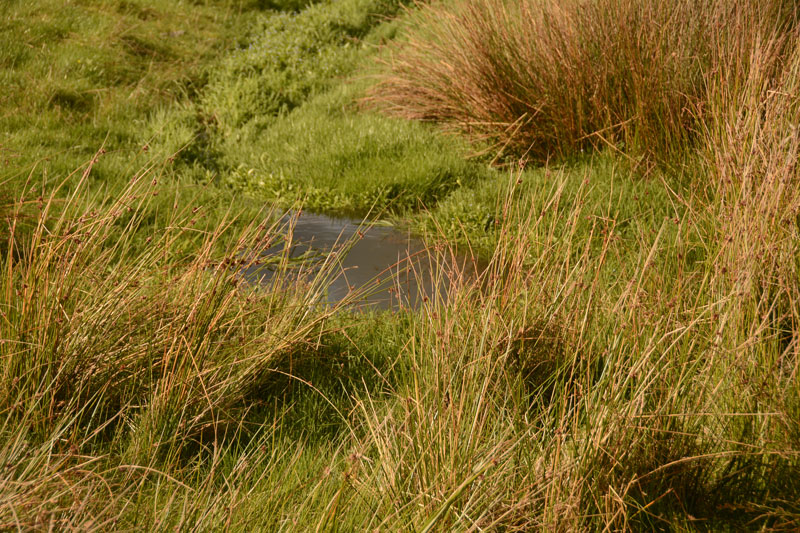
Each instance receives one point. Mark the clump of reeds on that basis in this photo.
(549, 78)
(556, 391)
(751, 151)
(151, 349)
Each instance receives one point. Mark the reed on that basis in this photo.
(148, 350)
(544, 79)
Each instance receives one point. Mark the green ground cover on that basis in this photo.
(626, 361)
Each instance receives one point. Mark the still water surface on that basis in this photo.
(397, 259)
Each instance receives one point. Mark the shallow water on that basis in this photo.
(399, 261)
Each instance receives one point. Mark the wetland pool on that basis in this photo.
(387, 268)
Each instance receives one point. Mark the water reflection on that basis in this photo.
(387, 267)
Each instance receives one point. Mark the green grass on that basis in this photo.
(82, 76)
(280, 119)
(337, 160)
(87, 71)
(626, 359)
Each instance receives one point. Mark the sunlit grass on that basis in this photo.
(623, 358)
(545, 79)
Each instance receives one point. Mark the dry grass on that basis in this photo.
(551, 391)
(151, 351)
(549, 78)
(654, 404)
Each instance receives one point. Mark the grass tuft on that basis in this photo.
(544, 79)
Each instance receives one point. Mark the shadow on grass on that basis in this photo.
(308, 395)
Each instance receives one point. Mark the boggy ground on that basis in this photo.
(627, 360)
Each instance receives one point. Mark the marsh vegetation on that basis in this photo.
(625, 171)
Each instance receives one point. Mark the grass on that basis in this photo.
(76, 71)
(544, 79)
(625, 360)
(285, 125)
(337, 160)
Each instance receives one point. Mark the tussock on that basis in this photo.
(548, 78)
